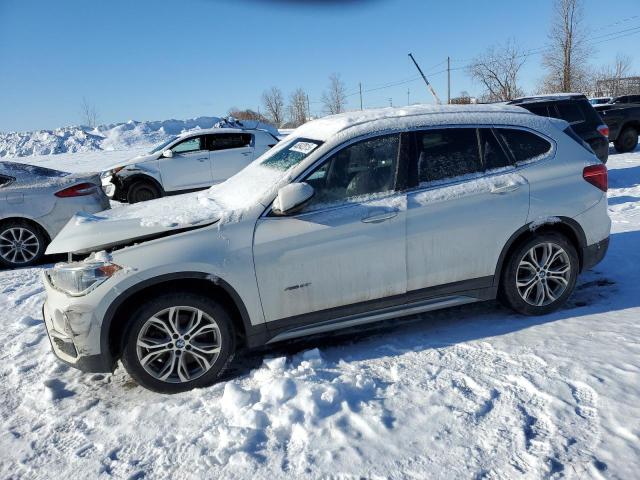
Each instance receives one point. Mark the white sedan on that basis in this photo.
(35, 203)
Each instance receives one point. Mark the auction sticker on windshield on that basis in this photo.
(303, 147)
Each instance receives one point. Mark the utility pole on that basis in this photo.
(448, 80)
(433, 92)
(308, 108)
(408, 102)
(360, 86)
(390, 102)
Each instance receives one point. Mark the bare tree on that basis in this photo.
(247, 114)
(273, 101)
(497, 70)
(608, 80)
(567, 55)
(89, 113)
(298, 107)
(335, 98)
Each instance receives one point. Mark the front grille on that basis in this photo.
(66, 347)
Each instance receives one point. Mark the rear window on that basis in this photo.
(524, 146)
(541, 110)
(570, 112)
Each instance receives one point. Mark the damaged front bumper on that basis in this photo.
(74, 333)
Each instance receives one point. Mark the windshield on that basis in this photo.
(292, 154)
(161, 146)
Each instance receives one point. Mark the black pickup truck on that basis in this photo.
(623, 120)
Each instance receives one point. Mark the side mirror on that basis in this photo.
(167, 153)
(291, 198)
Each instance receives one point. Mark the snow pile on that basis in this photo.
(49, 142)
(118, 136)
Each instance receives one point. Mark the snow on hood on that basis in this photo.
(222, 203)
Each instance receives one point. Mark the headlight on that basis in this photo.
(78, 278)
(110, 173)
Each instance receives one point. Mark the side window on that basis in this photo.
(224, 141)
(363, 168)
(524, 145)
(493, 155)
(188, 145)
(447, 153)
(570, 112)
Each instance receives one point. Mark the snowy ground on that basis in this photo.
(474, 392)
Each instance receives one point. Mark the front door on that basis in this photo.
(188, 168)
(346, 247)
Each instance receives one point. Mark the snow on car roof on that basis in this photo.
(324, 128)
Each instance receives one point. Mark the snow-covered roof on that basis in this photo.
(324, 128)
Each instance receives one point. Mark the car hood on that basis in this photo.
(142, 221)
(132, 161)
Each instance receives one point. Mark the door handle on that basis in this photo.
(380, 217)
(246, 154)
(203, 159)
(504, 188)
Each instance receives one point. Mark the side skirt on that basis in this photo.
(410, 303)
(375, 316)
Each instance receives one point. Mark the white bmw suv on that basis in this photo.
(351, 219)
(188, 162)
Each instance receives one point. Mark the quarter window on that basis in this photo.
(447, 153)
(361, 169)
(524, 145)
(570, 112)
(188, 145)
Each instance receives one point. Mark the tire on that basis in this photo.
(142, 191)
(523, 284)
(147, 366)
(22, 244)
(627, 141)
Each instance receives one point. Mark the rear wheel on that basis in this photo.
(142, 191)
(21, 244)
(627, 141)
(540, 275)
(178, 342)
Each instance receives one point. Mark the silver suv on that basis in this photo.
(351, 219)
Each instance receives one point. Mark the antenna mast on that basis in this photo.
(433, 92)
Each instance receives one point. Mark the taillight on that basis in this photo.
(596, 175)
(604, 130)
(79, 190)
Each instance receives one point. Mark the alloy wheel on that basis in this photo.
(178, 344)
(543, 274)
(18, 245)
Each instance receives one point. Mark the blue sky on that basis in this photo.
(154, 59)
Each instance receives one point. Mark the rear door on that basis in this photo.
(467, 200)
(230, 153)
(189, 168)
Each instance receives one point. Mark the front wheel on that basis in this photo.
(178, 342)
(627, 141)
(142, 191)
(540, 275)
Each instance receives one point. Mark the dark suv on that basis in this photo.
(576, 110)
(624, 99)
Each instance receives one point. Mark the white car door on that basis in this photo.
(230, 153)
(346, 248)
(467, 204)
(188, 168)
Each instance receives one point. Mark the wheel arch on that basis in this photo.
(31, 221)
(115, 319)
(567, 227)
(139, 176)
